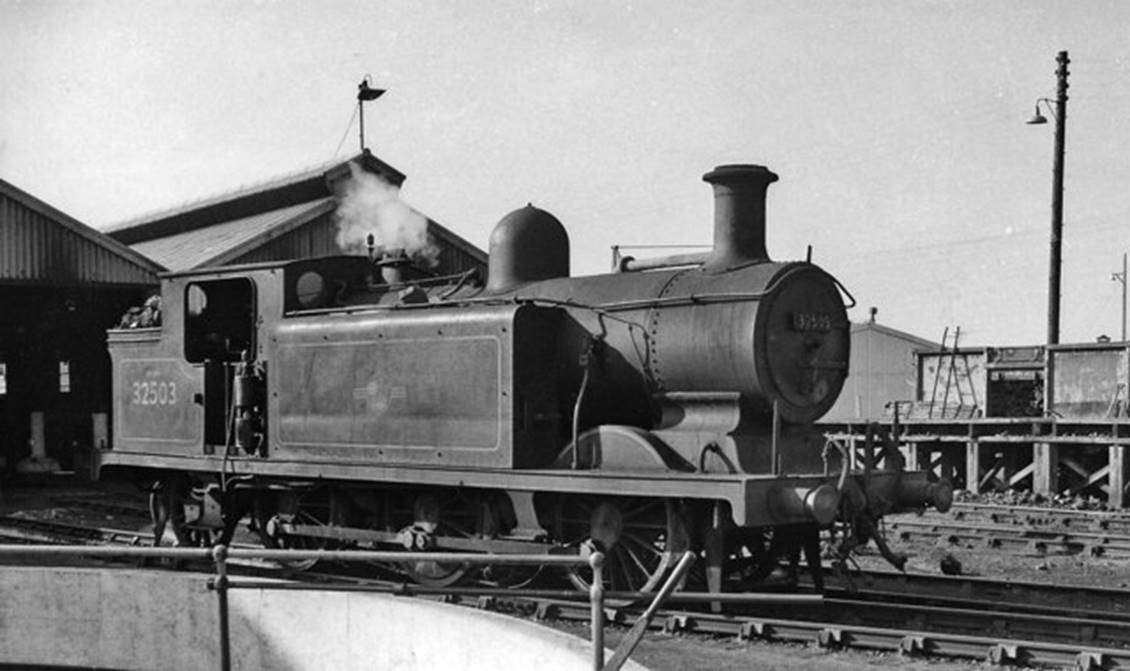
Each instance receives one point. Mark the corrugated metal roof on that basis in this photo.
(292, 189)
(40, 244)
(217, 244)
(217, 198)
(271, 221)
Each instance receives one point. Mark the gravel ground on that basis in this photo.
(980, 561)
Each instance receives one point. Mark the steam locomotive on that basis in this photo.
(342, 402)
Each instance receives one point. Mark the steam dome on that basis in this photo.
(527, 245)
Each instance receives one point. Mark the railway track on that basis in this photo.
(970, 617)
(1012, 538)
(1035, 517)
(1003, 594)
(26, 531)
(102, 505)
(905, 640)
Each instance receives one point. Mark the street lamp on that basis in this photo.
(1038, 118)
(1059, 112)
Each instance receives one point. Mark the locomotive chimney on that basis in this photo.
(739, 215)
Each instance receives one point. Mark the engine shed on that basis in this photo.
(296, 216)
(62, 284)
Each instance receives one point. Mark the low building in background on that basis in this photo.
(881, 370)
(62, 284)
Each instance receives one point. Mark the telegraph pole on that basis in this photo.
(1057, 198)
(1121, 277)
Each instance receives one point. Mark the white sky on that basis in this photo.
(896, 127)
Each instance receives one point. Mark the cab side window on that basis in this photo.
(219, 320)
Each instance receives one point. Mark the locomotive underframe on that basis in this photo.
(754, 500)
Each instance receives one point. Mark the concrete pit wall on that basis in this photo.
(125, 619)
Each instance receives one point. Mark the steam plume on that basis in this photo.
(372, 205)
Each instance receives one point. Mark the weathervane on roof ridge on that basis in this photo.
(365, 93)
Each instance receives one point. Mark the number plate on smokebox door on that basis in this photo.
(812, 321)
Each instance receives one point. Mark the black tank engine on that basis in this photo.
(342, 402)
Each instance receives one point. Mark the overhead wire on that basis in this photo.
(348, 127)
(1111, 223)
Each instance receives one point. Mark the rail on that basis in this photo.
(221, 583)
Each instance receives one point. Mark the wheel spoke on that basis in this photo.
(635, 529)
(305, 517)
(639, 509)
(643, 543)
(643, 568)
(628, 584)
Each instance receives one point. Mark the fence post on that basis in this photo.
(220, 584)
(596, 598)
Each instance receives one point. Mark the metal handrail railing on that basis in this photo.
(624, 650)
(221, 583)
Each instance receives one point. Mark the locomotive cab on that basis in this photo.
(192, 384)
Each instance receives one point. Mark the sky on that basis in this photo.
(897, 128)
